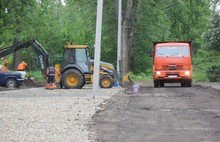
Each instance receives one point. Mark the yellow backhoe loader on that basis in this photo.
(77, 69)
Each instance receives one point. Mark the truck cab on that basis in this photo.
(172, 63)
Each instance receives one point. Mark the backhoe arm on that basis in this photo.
(12, 49)
(42, 54)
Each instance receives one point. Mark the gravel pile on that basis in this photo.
(49, 115)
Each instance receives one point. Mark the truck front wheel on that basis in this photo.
(156, 83)
(161, 84)
(73, 79)
(189, 84)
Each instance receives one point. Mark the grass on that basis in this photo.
(37, 75)
(141, 76)
(200, 76)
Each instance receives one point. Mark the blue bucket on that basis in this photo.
(116, 84)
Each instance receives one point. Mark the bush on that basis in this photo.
(37, 75)
(204, 64)
(213, 73)
(199, 75)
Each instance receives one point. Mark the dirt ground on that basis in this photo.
(168, 114)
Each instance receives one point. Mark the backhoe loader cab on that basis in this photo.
(78, 56)
(77, 68)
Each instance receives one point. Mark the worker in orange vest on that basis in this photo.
(5, 66)
(22, 66)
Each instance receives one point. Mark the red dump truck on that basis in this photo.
(172, 63)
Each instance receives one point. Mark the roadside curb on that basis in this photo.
(208, 85)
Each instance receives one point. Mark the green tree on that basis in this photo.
(54, 25)
(13, 13)
(188, 20)
(213, 35)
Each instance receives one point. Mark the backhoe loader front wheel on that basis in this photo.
(106, 81)
(73, 79)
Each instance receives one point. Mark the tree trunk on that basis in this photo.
(128, 23)
(124, 47)
(16, 57)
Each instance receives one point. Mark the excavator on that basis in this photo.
(76, 69)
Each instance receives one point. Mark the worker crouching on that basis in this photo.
(50, 77)
(22, 66)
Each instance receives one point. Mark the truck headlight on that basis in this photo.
(187, 73)
(158, 72)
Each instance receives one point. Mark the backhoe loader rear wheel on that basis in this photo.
(73, 79)
(106, 81)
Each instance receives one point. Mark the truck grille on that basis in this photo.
(179, 67)
(165, 67)
(172, 67)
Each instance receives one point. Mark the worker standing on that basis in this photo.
(5, 66)
(22, 66)
(51, 75)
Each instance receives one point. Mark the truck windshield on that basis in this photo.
(172, 51)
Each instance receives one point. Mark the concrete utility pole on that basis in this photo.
(119, 38)
(97, 45)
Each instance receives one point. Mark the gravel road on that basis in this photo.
(39, 115)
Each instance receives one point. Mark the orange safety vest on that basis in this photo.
(22, 66)
(4, 68)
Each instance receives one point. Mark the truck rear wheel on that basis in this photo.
(73, 79)
(106, 81)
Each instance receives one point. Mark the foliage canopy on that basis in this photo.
(54, 24)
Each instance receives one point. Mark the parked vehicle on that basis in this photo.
(12, 79)
(172, 63)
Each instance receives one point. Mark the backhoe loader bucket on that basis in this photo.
(129, 85)
(125, 81)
